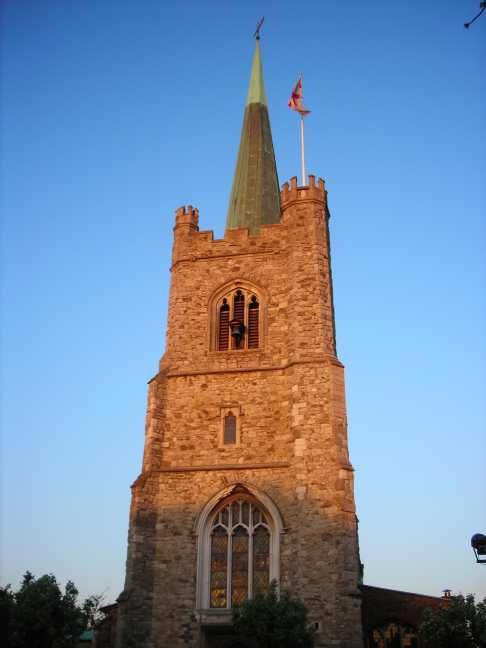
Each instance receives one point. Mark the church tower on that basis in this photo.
(246, 476)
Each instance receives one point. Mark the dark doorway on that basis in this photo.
(223, 638)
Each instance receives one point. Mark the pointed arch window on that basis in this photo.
(238, 321)
(240, 535)
(238, 547)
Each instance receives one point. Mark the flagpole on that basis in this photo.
(295, 103)
(302, 158)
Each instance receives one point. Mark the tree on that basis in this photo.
(92, 611)
(40, 615)
(273, 621)
(459, 623)
(7, 606)
(44, 616)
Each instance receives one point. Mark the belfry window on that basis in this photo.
(240, 553)
(238, 321)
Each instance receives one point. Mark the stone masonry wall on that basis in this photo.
(292, 421)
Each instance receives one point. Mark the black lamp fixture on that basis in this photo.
(237, 328)
(478, 543)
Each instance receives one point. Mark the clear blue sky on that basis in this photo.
(117, 112)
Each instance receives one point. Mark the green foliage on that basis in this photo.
(461, 623)
(7, 606)
(40, 615)
(274, 622)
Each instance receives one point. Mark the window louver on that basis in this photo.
(223, 334)
(253, 323)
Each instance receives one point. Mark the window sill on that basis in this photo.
(214, 616)
(233, 352)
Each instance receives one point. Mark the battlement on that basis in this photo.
(191, 243)
(187, 216)
(293, 192)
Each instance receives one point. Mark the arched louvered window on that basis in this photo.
(240, 553)
(253, 323)
(238, 321)
(223, 328)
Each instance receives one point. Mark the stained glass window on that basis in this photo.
(219, 567)
(240, 553)
(239, 565)
(224, 516)
(245, 512)
(261, 556)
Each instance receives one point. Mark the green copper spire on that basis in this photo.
(256, 89)
(255, 196)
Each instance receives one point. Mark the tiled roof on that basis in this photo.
(381, 605)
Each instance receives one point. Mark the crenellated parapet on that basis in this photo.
(292, 192)
(190, 242)
(187, 217)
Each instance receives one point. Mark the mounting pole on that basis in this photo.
(302, 156)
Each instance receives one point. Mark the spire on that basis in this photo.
(256, 89)
(255, 196)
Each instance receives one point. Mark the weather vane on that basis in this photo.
(257, 30)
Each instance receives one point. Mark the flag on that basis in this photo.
(296, 99)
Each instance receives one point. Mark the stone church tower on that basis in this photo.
(246, 476)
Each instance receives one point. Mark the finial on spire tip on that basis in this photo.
(259, 26)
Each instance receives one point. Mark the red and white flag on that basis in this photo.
(296, 99)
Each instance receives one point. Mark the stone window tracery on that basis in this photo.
(240, 553)
(238, 320)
